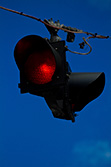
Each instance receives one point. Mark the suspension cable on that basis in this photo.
(63, 28)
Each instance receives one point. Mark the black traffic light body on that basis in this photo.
(45, 72)
(36, 45)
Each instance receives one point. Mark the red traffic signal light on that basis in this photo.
(40, 67)
(45, 72)
(35, 58)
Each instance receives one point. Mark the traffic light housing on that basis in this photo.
(41, 66)
(45, 72)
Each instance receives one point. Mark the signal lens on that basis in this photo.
(40, 67)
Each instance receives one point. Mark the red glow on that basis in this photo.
(73, 106)
(40, 67)
(45, 68)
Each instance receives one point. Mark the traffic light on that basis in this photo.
(45, 72)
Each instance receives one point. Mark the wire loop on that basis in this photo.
(80, 52)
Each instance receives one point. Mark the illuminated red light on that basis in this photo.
(40, 67)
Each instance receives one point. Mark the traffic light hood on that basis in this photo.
(85, 87)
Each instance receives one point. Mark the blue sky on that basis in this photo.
(29, 135)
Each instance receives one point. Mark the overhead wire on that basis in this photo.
(63, 28)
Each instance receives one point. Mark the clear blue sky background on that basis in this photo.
(29, 135)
